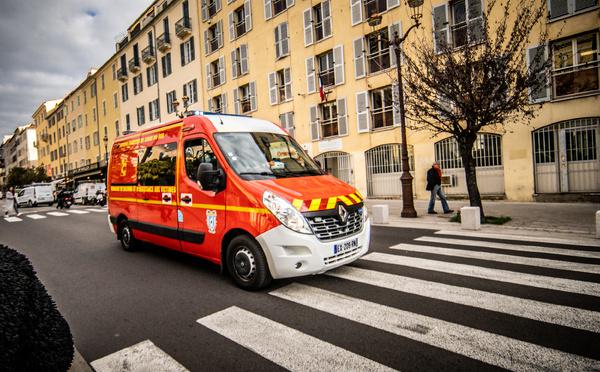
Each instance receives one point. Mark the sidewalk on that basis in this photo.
(528, 218)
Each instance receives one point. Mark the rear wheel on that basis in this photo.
(128, 242)
(29, 204)
(247, 263)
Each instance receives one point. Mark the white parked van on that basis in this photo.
(85, 193)
(34, 195)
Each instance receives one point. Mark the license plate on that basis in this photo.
(345, 246)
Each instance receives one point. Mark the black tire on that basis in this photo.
(67, 206)
(247, 263)
(128, 242)
(29, 204)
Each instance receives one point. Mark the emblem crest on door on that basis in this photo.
(211, 221)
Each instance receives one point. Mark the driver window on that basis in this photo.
(198, 151)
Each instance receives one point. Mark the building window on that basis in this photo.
(321, 20)
(171, 98)
(79, 121)
(329, 119)
(575, 66)
(239, 61)
(213, 37)
(467, 22)
(240, 20)
(217, 104)
(87, 143)
(153, 110)
(141, 116)
(382, 108)
(374, 6)
(94, 116)
(103, 108)
(187, 51)
(280, 86)
(152, 74)
(210, 8)
(378, 51)
(93, 90)
(215, 73)
(114, 71)
(326, 68)
(244, 98)
(487, 151)
(96, 138)
(127, 123)
(560, 8)
(124, 92)
(282, 40)
(137, 84)
(117, 128)
(276, 7)
(102, 81)
(166, 65)
(191, 91)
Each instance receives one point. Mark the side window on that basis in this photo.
(157, 165)
(198, 151)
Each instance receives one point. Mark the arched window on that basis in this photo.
(487, 151)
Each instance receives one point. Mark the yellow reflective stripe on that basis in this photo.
(297, 203)
(331, 202)
(112, 198)
(356, 198)
(248, 209)
(217, 207)
(359, 195)
(314, 205)
(345, 200)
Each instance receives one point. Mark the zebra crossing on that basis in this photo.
(479, 283)
(43, 215)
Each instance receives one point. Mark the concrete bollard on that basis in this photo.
(380, 213)
(470, 219)
(598, 224)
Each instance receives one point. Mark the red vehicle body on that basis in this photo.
(237, 191)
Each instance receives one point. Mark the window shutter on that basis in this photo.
(359, 58)
(192, 49)
(342, 117)
(356, 9)
(362, 111)
(272, 88)
(290, 123)
(283, 120)
(206, 44)
(326, 11)
(224, 103)
(252, 96)
(248, 15)
(314, 123)
(220, 33)
(392, 29)
(244, 58)
(218, 5)
(285, 41)
(210, 105)
(536, 58)
(268, 13)
(441, 35)
(232, 34)
(392, 4)
(236, 101)
(222, 75)
(195, 88)
(208, 77)
(277, 41)
(234, 62)
(287, 76)
(181, 51)
(289, 3)
(184, 90)
(396, 105)
(310, 75)
(308, 28)
(338, 64)
(204, 10)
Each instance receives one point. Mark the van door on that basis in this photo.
(201, 212)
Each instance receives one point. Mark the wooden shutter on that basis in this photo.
(234, 63)
(222, 75)
(396, 105)
(248, 15)
(192, 49)
(326, 12)
(272, 77)
(308, 27)
(287, 77)
(236, 101)
(356, 9)
(392, 29)
(210, 105)
(283, 120)
(232, 34)
(338, 64)
(392, 4)
(362, 111)
(314, 123)
(536, 58)
(181, 51)
(342, 117)
(206, 44)
(359, 58)
(441, 34)
(285, 41)
(224, 103)
(218, 3)
(310, 75)
(277, 41)
(268, 9)
(204, 10)
(220, 33)
(290, 123)
(184, 90)
(289, 3)
(252, 96)
(208, 77)
(244, 59)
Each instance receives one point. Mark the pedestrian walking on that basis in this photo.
(10, 204)
(434, 185)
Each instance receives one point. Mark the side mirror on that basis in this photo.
(210, 179)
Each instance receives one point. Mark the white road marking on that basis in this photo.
(142, 357)
(531, 309)
(12, 219)
(96, 210)
(496, 257)
(539, 281)
(57, 214)
(487, 347)
(35, 216)
(77, 211)
(525, 238)
(513, 247)
(283, 345)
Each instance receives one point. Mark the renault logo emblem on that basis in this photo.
(343, 213)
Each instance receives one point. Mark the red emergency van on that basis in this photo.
(235, 190)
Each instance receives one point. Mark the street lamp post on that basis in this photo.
(415, 6)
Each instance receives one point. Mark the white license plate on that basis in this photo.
(348, 245)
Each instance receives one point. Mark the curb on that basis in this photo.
(79, 364)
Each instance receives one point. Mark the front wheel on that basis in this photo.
(128, 242)
(247, 263)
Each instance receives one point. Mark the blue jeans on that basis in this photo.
(437, 190)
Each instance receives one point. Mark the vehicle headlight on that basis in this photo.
(286, 213)
(365, 213)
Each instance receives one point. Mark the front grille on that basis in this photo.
(329, 227)
(340, 256)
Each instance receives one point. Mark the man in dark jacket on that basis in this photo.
(434, 185)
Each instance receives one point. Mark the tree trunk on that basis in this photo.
(465, 147)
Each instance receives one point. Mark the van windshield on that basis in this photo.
(265, 155)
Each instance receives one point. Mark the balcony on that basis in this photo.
(134, 65)
(149, 55)
(122, 75)
(183, 27)
(163, 42)
(44, 137)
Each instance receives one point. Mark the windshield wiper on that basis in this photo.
(256, 174)
(313, 172)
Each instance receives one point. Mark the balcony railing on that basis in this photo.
(163, 42)
(240, 28)
(183, 27)
(122, 75)
(149, 55)
(134, 65)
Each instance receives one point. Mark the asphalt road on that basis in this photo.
(433, 304)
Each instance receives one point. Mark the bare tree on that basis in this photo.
(482, 79)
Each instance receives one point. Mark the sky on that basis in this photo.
(47, 48)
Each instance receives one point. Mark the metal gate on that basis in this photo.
(338, 164)
(384, 168)
(567, 157)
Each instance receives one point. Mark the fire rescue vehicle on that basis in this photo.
(237, 191)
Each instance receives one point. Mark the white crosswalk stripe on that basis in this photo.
(78, 211)
(525, 238)
(97, 210)
(12, 219)
(57, 214)
(536, 310)
(512, 247)
(531, 261)
(35, 216)
(283, 345)
(487, 347)
(558, 284)
(141, 357)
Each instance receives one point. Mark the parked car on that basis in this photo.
(34, 195)
(85, 193)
